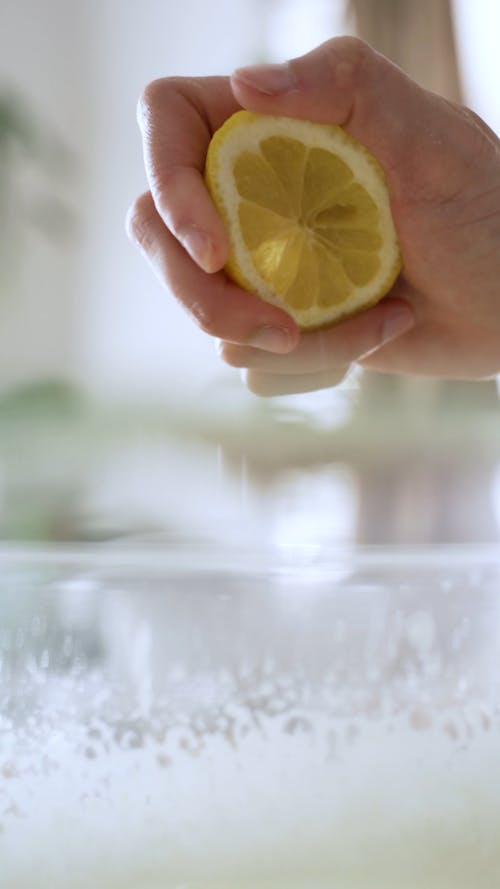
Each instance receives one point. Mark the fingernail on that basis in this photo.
(269, 79)
(271, 339)
(396, 324)
(199, 247)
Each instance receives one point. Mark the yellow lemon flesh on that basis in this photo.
(307, 211)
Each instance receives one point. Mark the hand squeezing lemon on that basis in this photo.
(308, 216)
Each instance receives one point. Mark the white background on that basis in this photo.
(91, 310)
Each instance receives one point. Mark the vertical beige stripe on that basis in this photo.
(417, 35)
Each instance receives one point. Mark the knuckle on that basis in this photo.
(170, 187)
(232, 356)
(171, 179)
(156, 95)
(149, 100)
(257, 383)
(349, 46)
(138, 221)
(205, 318)
(483, 138)
(346, 58)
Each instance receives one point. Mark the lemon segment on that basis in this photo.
(308, 215)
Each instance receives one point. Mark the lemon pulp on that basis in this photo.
(308, 216)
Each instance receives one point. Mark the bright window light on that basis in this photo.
(477, 29)
(297, 26)
(315, 507)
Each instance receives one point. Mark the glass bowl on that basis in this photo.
(204, 718)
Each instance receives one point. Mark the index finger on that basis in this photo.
(177, 117)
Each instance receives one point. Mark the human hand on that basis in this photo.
(442, 165)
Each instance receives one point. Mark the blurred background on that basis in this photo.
(117, 420)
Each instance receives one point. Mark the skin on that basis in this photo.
(442, 163)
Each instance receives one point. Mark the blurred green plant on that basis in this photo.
(34, 162)
(44, 400)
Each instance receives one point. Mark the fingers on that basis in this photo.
(322, 358)
(415, 134)
(251, 329)
(177, 118)
(219, 306)
(268, 385)
(325, 352)
(343, 81)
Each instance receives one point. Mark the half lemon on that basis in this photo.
(308, 215)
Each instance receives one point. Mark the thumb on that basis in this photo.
(344, 81)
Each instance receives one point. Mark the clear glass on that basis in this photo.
(200, 717)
